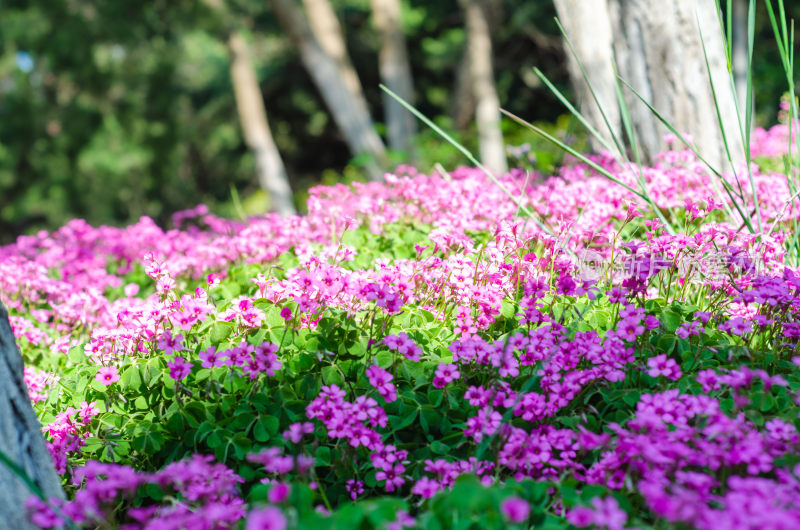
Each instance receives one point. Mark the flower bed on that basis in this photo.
(415, 354)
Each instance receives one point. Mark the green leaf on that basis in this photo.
(130, 379)
(260, 433)
(221, 331)
(439, 448)
(671, 320)
(331, 376)
(322, 456)
(76, 354)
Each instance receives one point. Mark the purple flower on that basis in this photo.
(426, 487)
(608, 513)
(581, 516)
(736, 326)
(170, 344)
(296, 431)
(661, 365)
(354, 487)
(617, 295)
(445, 373)
(210, 357)
(278, 493)
(392, 476)
(630, 328)
(516, 510)
(269, 518)
(380, 379)
(179, 368)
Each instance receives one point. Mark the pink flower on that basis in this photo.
(661, 365)
(581, 516)
(286, 313)
(736, 326)
(608, 513)
(426, 487)
(516, 510)
(107, 375)
(629, 328)
(131, 290)
(403, 520)
(445, 373)
(269, 518)
(392, 476)
(296, 431)
(380, 379)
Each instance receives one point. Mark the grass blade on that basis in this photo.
(469, 156)
(555, 141)
(683, 140)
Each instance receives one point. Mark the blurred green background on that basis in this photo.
(110, 110)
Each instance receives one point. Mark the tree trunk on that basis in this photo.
(257, 135)
(588, 27)
(658, 51)
(20, 438)
(462, 107)
(326, 28)
(487, 108)
(395, 71)
(349, 109)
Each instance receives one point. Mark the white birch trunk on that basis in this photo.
(349, 110)
(395, 70)
(658, 51)
(20, 438)
(255, 127)
(588, 27)
(487, 109)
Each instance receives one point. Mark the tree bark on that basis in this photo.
(659, 52)
(487, 108)
(255, 127)
(657, 49)
(588, 27)
(20, 438)
(395, 70)
(349, 109)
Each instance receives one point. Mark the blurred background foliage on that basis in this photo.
(114, 110)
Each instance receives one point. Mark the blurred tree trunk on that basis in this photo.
(21, 438)
(395, 71)
(487, 104)
(462, 107)
(658, 50)
(588, 26)
(335, 84)
(250, 104)
(328, 32)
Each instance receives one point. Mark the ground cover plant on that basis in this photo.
(416, 353)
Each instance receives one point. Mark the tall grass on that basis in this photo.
(784, 36)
